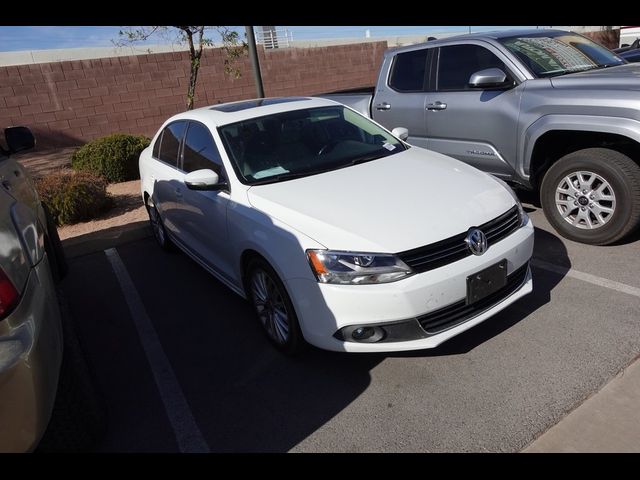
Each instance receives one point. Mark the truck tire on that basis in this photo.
(79, 417)
(592, 196)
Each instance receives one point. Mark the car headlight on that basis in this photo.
(354, 268)
(524, 218)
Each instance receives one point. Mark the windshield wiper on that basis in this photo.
(286, 176)
(365, 159)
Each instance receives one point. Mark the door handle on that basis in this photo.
(178, 193)
(6, 184)
(383, 106)
(436, 106)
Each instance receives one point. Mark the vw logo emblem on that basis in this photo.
(476, 241)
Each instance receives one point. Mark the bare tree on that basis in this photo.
(196, 39)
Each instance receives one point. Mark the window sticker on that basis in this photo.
(389, 147)
(270, 172)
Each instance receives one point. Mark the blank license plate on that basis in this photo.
(487, 281)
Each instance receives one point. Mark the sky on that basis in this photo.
(43, 38)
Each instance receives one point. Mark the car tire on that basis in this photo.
(260, 273)
(157, 226)
(601, 210)
(79, 418)
(54, 249)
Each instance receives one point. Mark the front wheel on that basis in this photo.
(592, 196)
(273, 307)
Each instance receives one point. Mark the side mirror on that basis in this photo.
(401, 132)
(491, 77)
(19, 139)
(203, 180)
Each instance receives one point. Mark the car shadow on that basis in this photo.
(99, 240)
(244, 395)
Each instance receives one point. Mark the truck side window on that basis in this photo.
(408, 71)
(458, 62)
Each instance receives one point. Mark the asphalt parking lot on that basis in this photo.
(204, 378)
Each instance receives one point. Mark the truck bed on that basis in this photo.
(357, 98)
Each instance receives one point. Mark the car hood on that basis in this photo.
(622, 77)
(396, 203)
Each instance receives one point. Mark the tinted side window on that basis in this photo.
(458, 62)
(156, 146)
(170, 146)
(408, 72)
(200, 150)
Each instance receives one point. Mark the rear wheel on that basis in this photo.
(159, 232)
(53, 247)
(592, 196)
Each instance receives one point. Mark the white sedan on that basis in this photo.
(338, 232)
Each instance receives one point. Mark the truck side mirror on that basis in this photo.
(488, 78)
(19, 139)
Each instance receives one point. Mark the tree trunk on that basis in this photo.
(195, 66)
(194, 56)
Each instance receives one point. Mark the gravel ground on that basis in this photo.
(128, 209)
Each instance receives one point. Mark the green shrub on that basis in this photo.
(115, 156)
(74, 197)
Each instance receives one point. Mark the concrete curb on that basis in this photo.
(104, 239)
(606, 422)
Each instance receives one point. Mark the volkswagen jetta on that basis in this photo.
(337, 231)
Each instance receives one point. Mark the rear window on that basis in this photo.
(170, 143)
(408, 71)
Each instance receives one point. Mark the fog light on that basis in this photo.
(362, 333)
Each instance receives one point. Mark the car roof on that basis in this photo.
(494, 35)
(232, 112)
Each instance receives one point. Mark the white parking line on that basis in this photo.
(188, 435)
(587, 277)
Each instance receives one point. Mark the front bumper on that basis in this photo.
(30, 357)
(324, 309)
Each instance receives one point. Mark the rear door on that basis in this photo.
(15, 180)
(474, 125)
(400, 100)
(13, 261)
(166, 175)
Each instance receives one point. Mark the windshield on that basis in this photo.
(549, 54)
(299, 143)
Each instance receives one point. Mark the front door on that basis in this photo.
(473, 125)
(202, 215)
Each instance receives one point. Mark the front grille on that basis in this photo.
(459, 312)
(454, 248)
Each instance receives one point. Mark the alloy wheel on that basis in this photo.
(270, 306)
(585, 199)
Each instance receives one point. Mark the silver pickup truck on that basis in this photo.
(545, 110)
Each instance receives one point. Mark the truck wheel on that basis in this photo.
(592, 196)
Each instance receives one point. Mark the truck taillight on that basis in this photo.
(8, 295)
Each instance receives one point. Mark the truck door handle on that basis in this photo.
(436, 106)
(383, 106)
